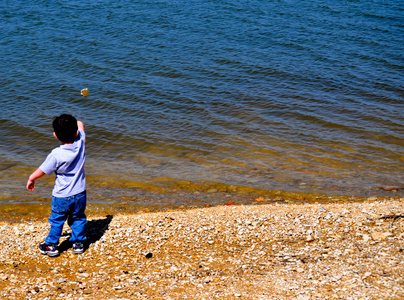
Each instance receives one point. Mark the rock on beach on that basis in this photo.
(273, 251)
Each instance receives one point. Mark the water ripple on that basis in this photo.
(264, 94)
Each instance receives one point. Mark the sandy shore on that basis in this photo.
(272, 251)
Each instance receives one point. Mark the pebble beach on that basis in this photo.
(352, 250)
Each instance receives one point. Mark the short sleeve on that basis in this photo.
(82, 135)
(49, 165)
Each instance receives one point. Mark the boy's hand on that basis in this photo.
(34, 176)
(30, 185)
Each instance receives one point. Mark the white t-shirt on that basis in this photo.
(67, 161)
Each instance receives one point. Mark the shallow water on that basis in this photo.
(302, 96)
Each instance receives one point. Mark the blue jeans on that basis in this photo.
(70, 209)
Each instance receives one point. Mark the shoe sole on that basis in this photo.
(51, 254)
(78, 251)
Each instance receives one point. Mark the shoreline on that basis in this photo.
(268, 251)
(135, 200)
(169, 192)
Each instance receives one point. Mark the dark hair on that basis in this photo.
(65, 127)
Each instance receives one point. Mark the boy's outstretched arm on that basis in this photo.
(80, 125)
(34, 176)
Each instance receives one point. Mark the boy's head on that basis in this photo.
(65, 127)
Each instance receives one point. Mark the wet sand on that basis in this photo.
(351, 250)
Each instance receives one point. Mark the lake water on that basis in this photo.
(304, 96)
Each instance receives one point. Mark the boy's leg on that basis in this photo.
(57, 219)
(77, 218)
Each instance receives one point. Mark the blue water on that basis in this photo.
(279, 95)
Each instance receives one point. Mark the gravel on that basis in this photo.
(272, 251)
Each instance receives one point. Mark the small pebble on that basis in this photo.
(84, 92)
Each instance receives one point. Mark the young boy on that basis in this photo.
(69, 193)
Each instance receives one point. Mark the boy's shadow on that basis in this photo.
(95, 229)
